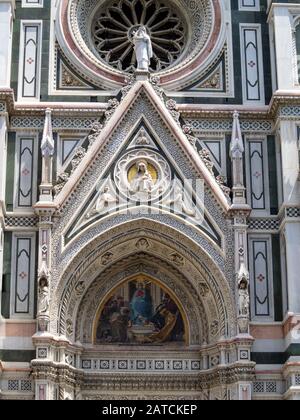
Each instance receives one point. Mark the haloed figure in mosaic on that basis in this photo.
(140, 312)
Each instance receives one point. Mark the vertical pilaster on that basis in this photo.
(6, 22)
(45, 209)
(291, 202)
(1, 258)
(290, 231)
(241, 270)
(44, 267)
(3, 142)
(240, 212)
(284, 46)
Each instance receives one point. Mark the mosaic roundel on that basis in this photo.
(142, 175)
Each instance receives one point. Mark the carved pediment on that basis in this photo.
(140, 160)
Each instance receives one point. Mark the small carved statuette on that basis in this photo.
(172, 107)
(96, 129)
(106, 258)
(243, 300)
(79, 155)
(221, 182)
(180, 203)
(142, 244)
(154, 80)
(43, 299)
(205, 156)
(104, 201)
(43, 302)
(112, 106)
(143, 139)
(177, 259)
(62, 179)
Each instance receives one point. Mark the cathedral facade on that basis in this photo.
(149, 199)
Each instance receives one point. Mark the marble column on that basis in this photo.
(291, 200)
(283, 35)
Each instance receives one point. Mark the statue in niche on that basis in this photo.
(244, 299)
(142, 181)
(43, 306)
(143, 48)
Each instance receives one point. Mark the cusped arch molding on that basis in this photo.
(141, 264)
(182, 261)
(141, 310)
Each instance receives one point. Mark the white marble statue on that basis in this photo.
(143, 181)
(43, 305)
(244, 299)
(105, 199)
(179, 201)
(143, 48)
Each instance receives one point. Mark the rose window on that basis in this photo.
(115, 23)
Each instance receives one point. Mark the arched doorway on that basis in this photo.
(188, 351)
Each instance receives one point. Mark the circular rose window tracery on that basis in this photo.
(204, 36)
(115, 22)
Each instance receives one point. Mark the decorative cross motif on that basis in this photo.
(30, 60)
(23, 275)
(25, 172)
(252, 64)
(261, 278)
(257, 174)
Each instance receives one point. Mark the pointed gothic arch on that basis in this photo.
(171, 257)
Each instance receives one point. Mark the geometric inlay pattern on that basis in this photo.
(158, 365)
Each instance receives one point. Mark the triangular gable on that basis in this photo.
(139, 88)
(107, 198)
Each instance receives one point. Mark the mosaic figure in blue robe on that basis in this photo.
(141, 306)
